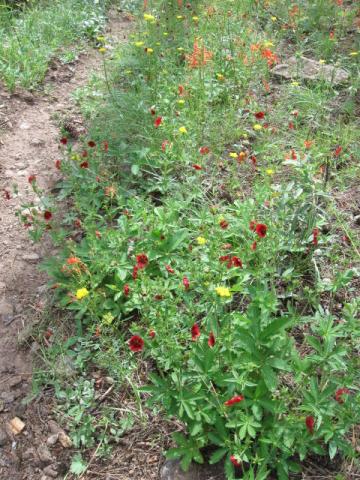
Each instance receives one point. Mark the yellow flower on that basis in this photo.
(233, 155)
(201, 240)
(81, 293)
(195, 18)
(149, 51)
(270, 171)
(102, 49)
(273, 19)
(139, 44)
(295, 84)
(182, 130)
(179, 17)
(220, 77)
(245, 135)
(128, 72)
(100, 38)
(321, 61)
(180, 49)
(149, 18)
(353, 54)
(181, 102)
(223, 291)
(268, 44)
(165, 34)
(257, 126)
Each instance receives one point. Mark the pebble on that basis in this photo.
(51, 471)
(31, 257)
(44, 454)
(4, 439)
(52, 439)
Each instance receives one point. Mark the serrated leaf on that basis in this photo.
(269, 377)
(217, 455)
(78, 465)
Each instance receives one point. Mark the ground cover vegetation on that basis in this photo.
(32, 33)
(204, 241)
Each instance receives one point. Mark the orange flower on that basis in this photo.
(73, 260)
(199, 57)
(308, 143)
(270, 56)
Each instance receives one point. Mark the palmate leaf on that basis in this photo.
(275, 327)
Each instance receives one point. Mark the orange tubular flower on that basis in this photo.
(199, 57)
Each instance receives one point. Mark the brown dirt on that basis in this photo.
(29, 144)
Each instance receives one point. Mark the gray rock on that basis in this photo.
(4, 439)
(309, 69)
(171, 470)
(44, 454)
(31, 257)
(51, 471)
(52, 439)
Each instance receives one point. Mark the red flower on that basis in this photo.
(234, 461)
(126, 290)
(165, 144)
(84, 164)
(6, 195)
(259, 115)
(253, 246)
(135, 272)
(195, 331)
(47, 215)
(340, 392)
(223, 224)
(77, 223)
(253, 160)
(197, 166)
(136, 343)
(315, 233)
(224, 258)
(236, 262)
(293, 155)
(105, 145)
(169, 269)
(261, 229)
(158, 122)
(186, 283)
(141, 260)
(252, 225)
(204, 150)
(211, 340)
(181, 89)
(91, 144)
(32, 179)
(291, 126)
(337, 151)
(158, 297)
(152, 111)
(97, 234)
(58, 164)
(310, 423)
(63, 140)
(233, 400)
(346, 239)
(152, 334)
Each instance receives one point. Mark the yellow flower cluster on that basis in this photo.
(223, 292)
(81, 293)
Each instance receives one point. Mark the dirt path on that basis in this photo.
(29, 145)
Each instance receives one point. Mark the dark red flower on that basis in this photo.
(47, 215)
(181, 89)
(58, 164)
(204, 150)
(253, 159)
(337, 151)
(234, 461)
(224, 258)
(291, 126)
(236, 262)
(169, 269)
(253, 246)
(195, 331)
(197, 166)
(32, 179)
(315, 233)
(340, 392)
(223, 224)
(259, 115)
(293, 155)
(135, 272)
(126, 290)
(105, 145)
(63, 140)
(6, 195)
(346, 239)
(158, 122)
(84, 164)
(186, 283)
(97, 234)
(152, 111)
(233, 400)
(261, 229)
(84, 154)
(152, 334)
(141, 260)
(310, 423)
(252, 225)
(211, 340)
(158, 297)
(136, 343)
(91, 144)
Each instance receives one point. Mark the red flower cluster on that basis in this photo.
(234, 400)
(195, 331)
(234, 461)
(92, 144)
(158, 122)
(169, 269)
(47, 215)
(340, 392)
(211, 340)
(152, 334)
(58, 164)
(32, 179)
(259, 115)
(84, 164)
(186, 283)
(126, 290)
(196, 166)
(259, 228)
(63, 140)
(315, 233)
(231, 261)
(136, 343)
(223, 224)
(310, 423)
(204, 150)
(141, 261)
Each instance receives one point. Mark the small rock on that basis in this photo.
(4, 439)
(2, 286)
(51, 471)
(52, 439)
(171, 470)
(31, 257)
(7, 397)
(54, 427)
(37, 142)
(24, 126)
(309, 69)
(16, 425)
(15, 380)
(44, 454)
(6, 309)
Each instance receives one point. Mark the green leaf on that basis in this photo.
(269, 377)
(135, 169)
(185, 462)
(217, 455)
(275, 327)
(280, 364)
(78, 465)
(332, 450)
